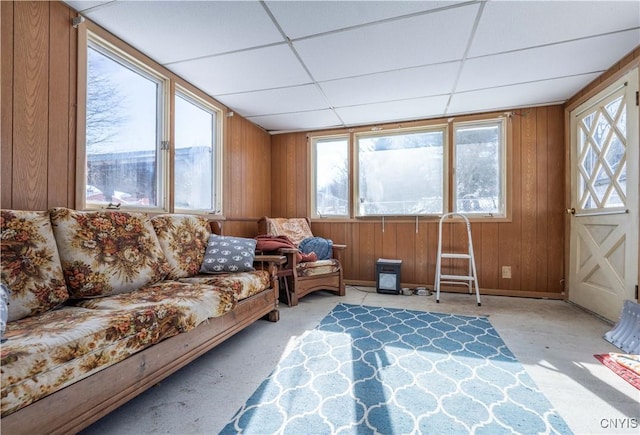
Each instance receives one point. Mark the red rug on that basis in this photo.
(628, 375)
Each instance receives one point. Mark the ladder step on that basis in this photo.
(450, 255)
(457, 277)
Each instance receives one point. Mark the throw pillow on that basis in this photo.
(107, 252)
(183, 239)
(29, 263)
(228, 254)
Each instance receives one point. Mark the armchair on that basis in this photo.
(302, 278)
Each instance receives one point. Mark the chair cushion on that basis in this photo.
(107, 252)
(297, 229)
(183, 239)
(30, 265)
(320, 267)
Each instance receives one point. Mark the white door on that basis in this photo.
(603, 258)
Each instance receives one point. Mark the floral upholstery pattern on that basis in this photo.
(179, 307)
(242, 284)
(183, 239)
(30, 263)
(46, 353)
(107, 252)
(297, 229)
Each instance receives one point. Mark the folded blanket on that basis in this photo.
(266, 243)
(632, 362)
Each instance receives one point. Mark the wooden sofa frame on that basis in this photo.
(78, 405)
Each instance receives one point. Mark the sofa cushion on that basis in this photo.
(46, 353)
(107, 252)
(242, 285)
(228, 254)
(30, 265)
(183, 239)
(179, 307)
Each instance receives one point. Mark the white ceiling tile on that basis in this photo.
(546, 62)
(303, 18)
(170, 31)
(511, 25)
(526, 94)
(274, 101)
(264, 68)
(394, 85)
(298, 121)
(84, 5)
(393, 111)
(420, 40)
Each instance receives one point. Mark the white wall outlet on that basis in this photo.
(506, 271)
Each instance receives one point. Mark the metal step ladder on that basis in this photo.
(471, 279)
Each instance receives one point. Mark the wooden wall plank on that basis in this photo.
(31, 110)
(59, 102)
(542, 199)
(528, 169)
(555, 240)
(6, 104)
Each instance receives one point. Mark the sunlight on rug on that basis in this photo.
(380, 370)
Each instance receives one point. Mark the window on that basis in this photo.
(479, 175)
(401, 172)
(124, 131)
(196, 154)
(130, 160)
(330, 176)
(412, 171)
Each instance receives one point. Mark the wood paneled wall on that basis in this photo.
(38, 96)
(531, 243)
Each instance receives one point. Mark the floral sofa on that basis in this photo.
(103, 305)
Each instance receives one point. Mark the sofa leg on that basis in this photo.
(273, 316)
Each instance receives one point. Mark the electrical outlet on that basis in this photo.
(506, 272)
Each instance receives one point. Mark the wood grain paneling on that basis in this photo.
(6, 104)
(531, 242)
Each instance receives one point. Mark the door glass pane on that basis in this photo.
(401, 174)
(122, 133)
(602, 156)
(478, 174)
(331, 176)
(194, 158)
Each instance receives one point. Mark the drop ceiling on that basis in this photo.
(310, 65)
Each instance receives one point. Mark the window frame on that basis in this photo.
(217, 153)
(398, 132)
(90, 34)
(448, 162)
(503, 166)
(313, 141)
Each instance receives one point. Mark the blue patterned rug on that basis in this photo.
(381, 370)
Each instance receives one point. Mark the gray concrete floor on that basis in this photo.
(555, 342)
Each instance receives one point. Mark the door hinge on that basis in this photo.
(636, 292)
(164, 145)
(637, 98)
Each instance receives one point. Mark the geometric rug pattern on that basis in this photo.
(366, 370)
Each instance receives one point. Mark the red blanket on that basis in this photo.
(273, 243)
